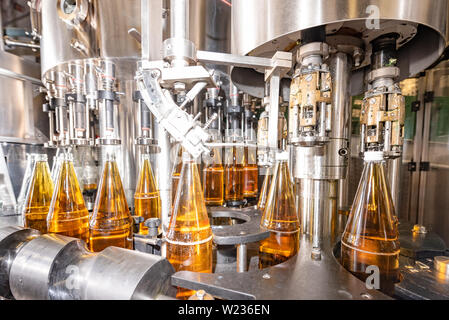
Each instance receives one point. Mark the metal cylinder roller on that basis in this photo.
(11, 241)
(55, 267)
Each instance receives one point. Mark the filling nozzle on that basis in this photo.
(78, 114)
(106, 101)
(383, 109)
(311, 96)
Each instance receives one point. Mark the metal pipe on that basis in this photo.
(318, 213)
(242, 251)
(15, 43)
(179, 19)
(164, 174)
(394, 180)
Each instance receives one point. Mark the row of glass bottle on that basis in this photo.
(230, 183)
(370, 237)
(59, 207)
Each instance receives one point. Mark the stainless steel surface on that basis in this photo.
(394, 180)
(163, 175)
(31, 269)
(57, 267)
(103, 34)
(11, 240)
(298, 278)
(241, 233)
(242, 263)
(260, 28)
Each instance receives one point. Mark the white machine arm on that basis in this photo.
(182, 126)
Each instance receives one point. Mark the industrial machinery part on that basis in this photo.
(383, 109)
(422, 31)
(239, 234)
(310, 97)
(298, 278)
(55, 267)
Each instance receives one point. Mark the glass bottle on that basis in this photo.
(250, 173)
(189, 236)
(176, 171)
(280, 217)
(371, 234)
(147, 201)
(39, 194)
(250, 168)
(234, 175)
(111, 223)
(28, 175)
(264, 190)
(68, 214)
(213, 176)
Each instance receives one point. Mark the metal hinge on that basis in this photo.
(411, 166)
(424, 166)
(428, 96)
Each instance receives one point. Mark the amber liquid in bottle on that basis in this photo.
(371, 234)
(111, 223)
(68, 214)
(250, 175)
(147, 202)
(213, 185)
(281, 218)
(37, 203)
(189, 236)
(234, 178)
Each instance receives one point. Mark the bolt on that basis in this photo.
(266, 276)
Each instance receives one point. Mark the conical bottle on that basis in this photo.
(68, 214)
(147, 201)
(280, 217)
(263, 196)
(213, 180)
(111, 223)
(189, 235)
(39, 196)
(371, 235)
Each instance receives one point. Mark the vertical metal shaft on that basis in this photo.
(274, 113)
(394, 180)
(163, 171)
(179, 19)
(242, 264)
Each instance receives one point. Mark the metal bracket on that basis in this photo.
(411, 166)
(416, 105)
(424, 166)
(429, 96)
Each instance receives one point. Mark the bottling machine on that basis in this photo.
(201, 149)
